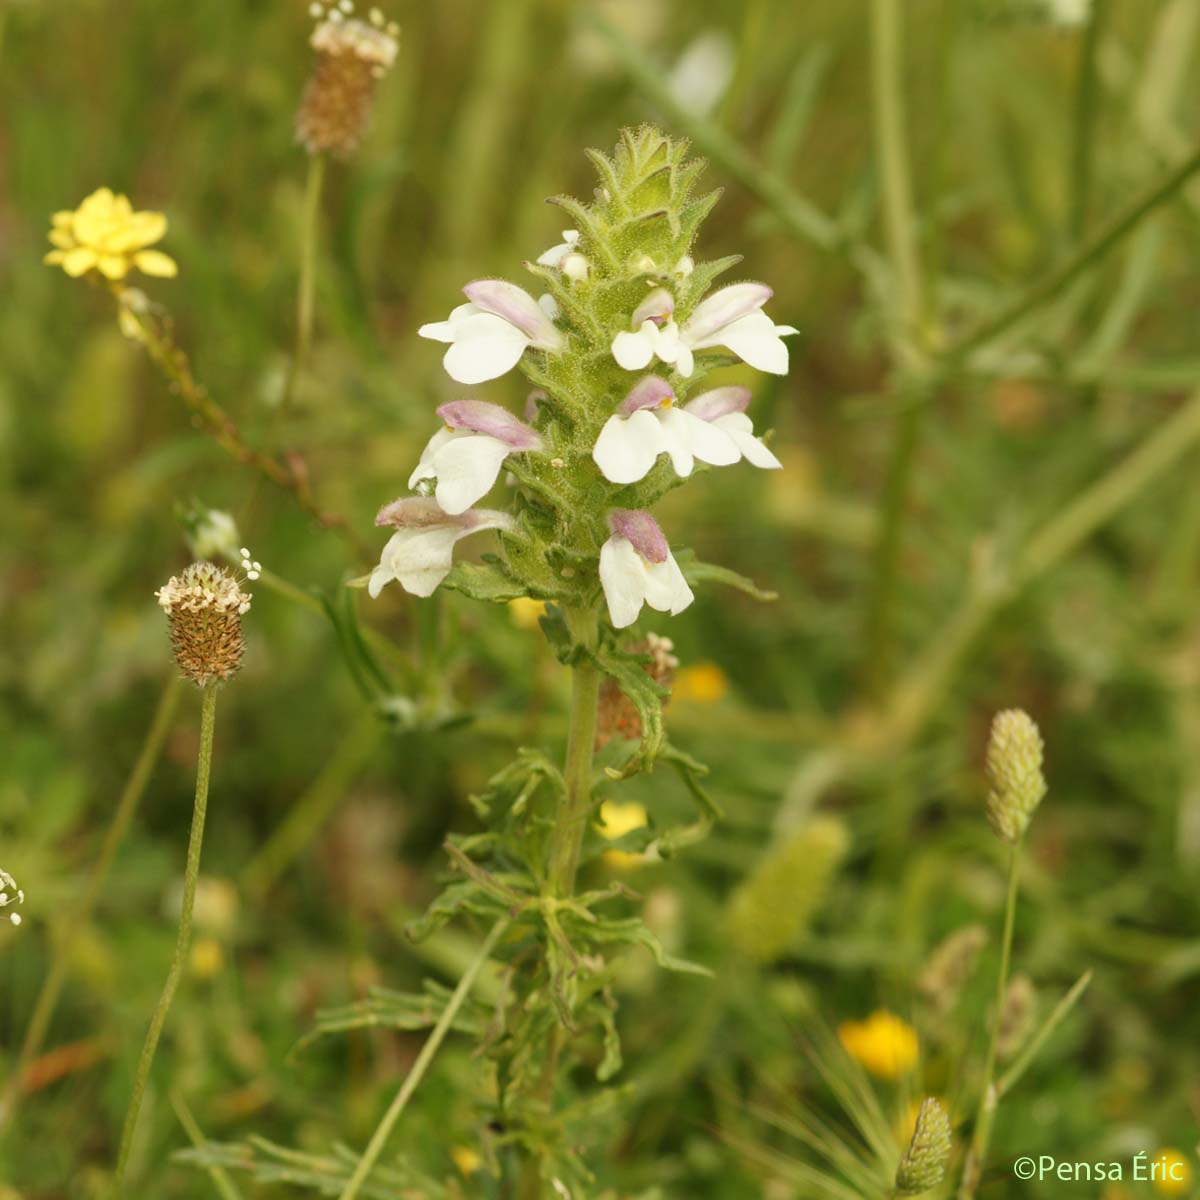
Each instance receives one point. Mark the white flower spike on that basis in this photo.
(488, 335)
(421, 551)
(637, 567)
(465, 458)
(648, 424)
(731, 317)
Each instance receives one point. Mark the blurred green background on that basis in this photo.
(1026, 135)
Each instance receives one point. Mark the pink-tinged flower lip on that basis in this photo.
(424, 512)
(479, 416)
(641, 530)
(516, 306)
(651, 392)
(657, 307)
(724, 307)
(415, 512)
(533, 402)
(719, 402)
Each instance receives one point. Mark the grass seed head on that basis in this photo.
(1014, 769)
(924, 1162)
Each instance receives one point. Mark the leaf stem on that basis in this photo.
(1095, 248)
(906, 333)
(1029, 1052)
(428, 1051)
(1083, 154)
(51, 989)
(208, 709)
(571, 825)
(306, 291)
(989, 1094)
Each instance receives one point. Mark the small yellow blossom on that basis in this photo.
(906, 1123)
(526, 612)
(616, 820)
(207, 958)
(104, 234)
(1171, 1173)
(466, 1159)
(704, 683)
(884, 1044)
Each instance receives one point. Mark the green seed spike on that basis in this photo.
(924, 1162)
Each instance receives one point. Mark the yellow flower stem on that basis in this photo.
(175, 367)
(158, 1019)
(77, 919)
(375, 1147)
(989, 1094)
(306, 291)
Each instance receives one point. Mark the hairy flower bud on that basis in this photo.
(772, 908)
(924, 1162)
(10, 895)
(352, 56)
(1014, 769)
(205, 605)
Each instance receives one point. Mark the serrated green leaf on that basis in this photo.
(484, 581)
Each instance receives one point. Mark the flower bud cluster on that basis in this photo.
(625, 329)
(351, 57)
(205, 606)
(11, 896)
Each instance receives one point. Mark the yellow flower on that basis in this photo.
(1170, 1172)
(705, 683)
(526, 612)
(466, 1159)
(206, 958)
(104, 234)
(616, 820)
(884, 1044)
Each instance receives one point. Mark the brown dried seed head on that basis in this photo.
(205, 605)
(352, 56)
(618, 717)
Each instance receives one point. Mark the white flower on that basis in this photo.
(713, 428)
(648, 424)
(731, 317)
(653, 334)
(465, 458)
(488, 335)
(637, 567)
(703, 73)
(1069, 13)
(555, 255)
(421, 551)
(10, 894)
(575, 267)
(725, 409)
